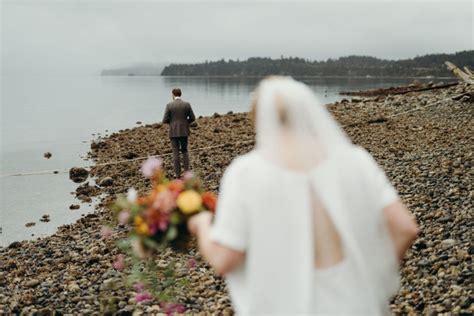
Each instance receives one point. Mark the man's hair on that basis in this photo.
(176, 92)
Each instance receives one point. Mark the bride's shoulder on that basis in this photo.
(360, 161)
(356, 153)
(352, 157)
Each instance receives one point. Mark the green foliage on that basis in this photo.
(161, 281)
(428, 65)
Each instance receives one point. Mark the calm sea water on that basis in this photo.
(61, 114)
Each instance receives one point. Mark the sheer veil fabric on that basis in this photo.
(289, 115)
(265, 209)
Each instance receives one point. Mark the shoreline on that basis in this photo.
(427, 157)
(297, 77)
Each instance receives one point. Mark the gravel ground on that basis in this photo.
(427, 153)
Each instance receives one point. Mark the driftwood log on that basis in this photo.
(463, 76)
(398, 90)
(468, 71)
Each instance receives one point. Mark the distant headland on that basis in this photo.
(431, 65)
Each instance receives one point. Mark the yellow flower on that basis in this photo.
(143, 229)
(138, 220)
(189, 201)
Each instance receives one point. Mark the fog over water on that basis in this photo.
(83, 37)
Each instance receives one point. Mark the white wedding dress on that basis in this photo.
(265, 209)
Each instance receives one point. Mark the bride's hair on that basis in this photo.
(280, 106)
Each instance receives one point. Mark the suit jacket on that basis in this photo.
(178, 114)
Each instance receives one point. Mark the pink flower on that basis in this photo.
(165, 201)
(191, 264)
(139, 287)
(188, 175)
(143, 296)
(105, 232)
(119, 263)
(150, 166)
(123, 217)
(171, 308)
(163, 224)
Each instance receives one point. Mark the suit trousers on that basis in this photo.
(180, 145)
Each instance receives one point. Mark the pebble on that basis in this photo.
(447, 243)
(106, 181)
(32, 283)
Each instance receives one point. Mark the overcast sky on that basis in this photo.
(83, 37)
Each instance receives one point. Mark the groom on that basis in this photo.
(179, 115)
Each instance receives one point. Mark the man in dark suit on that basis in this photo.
(179, 115)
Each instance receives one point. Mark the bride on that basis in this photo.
(307, 222)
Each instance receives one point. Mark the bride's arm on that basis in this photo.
(402, 227)
(221, 258)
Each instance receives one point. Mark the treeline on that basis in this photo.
(142, 69)
(350, 66)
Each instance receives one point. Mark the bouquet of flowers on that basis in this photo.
(160, 217)
(156, 220)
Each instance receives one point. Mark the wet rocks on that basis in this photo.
(45, 218)
(78, 175)
(98, 145)
(74, 207)
(87, 190)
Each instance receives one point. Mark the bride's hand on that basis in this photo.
(198, 221)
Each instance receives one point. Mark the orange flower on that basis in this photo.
(138, 220)
(142, 200)
(209, 200)
(160, 188)
(176, 186)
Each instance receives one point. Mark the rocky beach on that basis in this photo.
(424, 140)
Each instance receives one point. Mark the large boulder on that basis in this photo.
(78, 175)
(87, 190)
(98, 145)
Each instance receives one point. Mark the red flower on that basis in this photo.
(209, 200)
(191, 264)
(157, 220)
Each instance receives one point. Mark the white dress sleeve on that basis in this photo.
(230, 223)
(383, 191)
